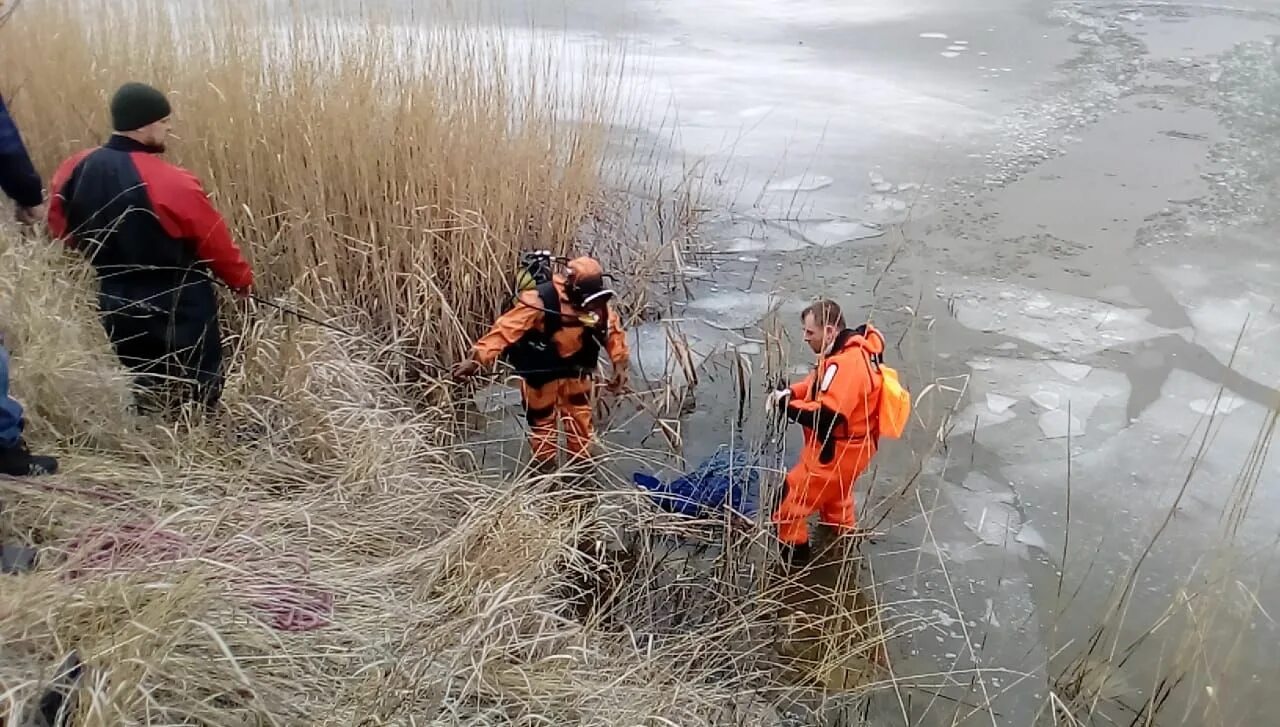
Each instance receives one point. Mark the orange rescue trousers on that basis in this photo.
(567, 399)
(826, 489)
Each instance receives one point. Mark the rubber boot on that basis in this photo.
(18, 461)
(795, 557)
(543, 467)
(58, 702)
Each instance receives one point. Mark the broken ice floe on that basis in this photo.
(934, 36)
(1242, 328)
(1032, 538)
(978, 416)
(829, 234)
(1056, 424)
(998, 404)
(1047, 399)
(1000, 382)
(732, 310)
(1059, 322)
(1070, 371)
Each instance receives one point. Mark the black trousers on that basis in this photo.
(177, 356)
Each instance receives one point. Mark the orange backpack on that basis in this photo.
(894, 405)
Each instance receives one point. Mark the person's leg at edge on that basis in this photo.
(15, 458)
(540, 413)
(837, 507)
(205, 368)
(574, 409)
(792, 515)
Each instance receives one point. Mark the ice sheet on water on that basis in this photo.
(1070, 371)
(997, 491)
(694, 272)
(1057, 423)
(830, 234)
(979, 416)
(1233, 308)
(1217, 405)
(802, 183)
(1059, 322)
(1098, 402)
(768, 242)
(993, 521)
(654, 358)
(1032, 538)
(999, 404)
(882, 203)
(1128, 479)
(732, 309)
(1047, 399)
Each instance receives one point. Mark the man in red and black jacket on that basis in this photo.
(153, 237)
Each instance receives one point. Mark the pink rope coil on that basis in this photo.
(288, 603)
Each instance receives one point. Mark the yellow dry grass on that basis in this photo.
(395, 168)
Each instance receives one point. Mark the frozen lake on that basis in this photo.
(1064, 211)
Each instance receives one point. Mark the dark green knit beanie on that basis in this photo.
(136, 105)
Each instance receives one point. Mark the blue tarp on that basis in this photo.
(727, 477)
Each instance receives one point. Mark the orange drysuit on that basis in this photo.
(556, 381)
(837, 406)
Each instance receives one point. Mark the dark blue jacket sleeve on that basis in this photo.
(18, 177)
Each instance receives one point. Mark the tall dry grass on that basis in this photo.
(364, 162)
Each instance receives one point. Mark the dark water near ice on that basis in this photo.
(1062, 214)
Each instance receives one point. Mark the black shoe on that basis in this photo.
(18, 461)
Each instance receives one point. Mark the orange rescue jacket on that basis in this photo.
(568, 338)
(838, 403)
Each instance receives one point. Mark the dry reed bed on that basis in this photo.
(395, 170)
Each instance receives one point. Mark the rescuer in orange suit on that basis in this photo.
(552, 338)
(836, 405)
